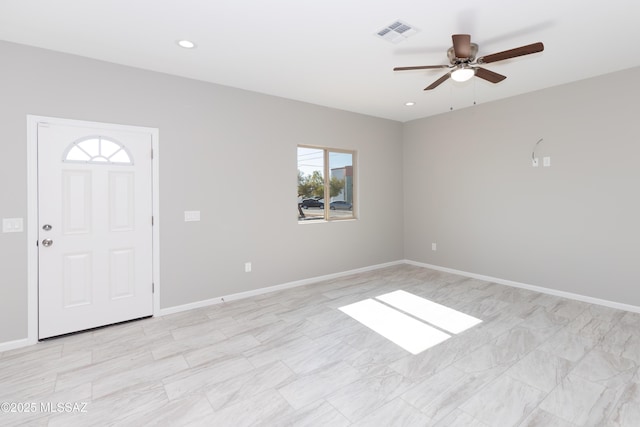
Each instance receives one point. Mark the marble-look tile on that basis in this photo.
(451, 395)
(277, 350)
(504, 402)
(126, 405)
(492, 356)
(396, 413)
(609, 370)
(540, 418)
(23, 356)
(459, 418)
(141, 374)
(103, 369)
(626, 412)
(248, 384)
(568, 345)
(445, 382)
(631, 319)
(375, 359)
(201, 378)
(224, 349)
(363, 396)
(317, 414)
(321, 352)
(243, 327)
(541, 370)
(485, 307)
(623, 340)
(280, 330)
(592, 326)
(265, 408)
(426, 363)
(168, 348)
(175, 413)
(567, 308)
(318, 384)
(573, 399)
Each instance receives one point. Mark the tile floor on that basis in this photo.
(292, 358)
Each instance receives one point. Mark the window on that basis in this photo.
(320, 198)
(97, 149)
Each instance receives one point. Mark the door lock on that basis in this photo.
(47, 242)
(47, 227)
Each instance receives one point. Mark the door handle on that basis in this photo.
(47, 242)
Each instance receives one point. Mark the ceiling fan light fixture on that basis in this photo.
(462, 74)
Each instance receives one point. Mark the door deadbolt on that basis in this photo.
(47, 227)
(47, 242)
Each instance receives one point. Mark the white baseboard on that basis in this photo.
(549, 291)
(260, 291)
(12, 345)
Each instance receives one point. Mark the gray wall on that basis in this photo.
(229, 153)
(574, 227)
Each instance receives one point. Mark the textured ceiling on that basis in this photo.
(326, 52)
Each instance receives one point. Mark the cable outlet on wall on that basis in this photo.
(434, 247)
(535, 162)
(247, 267)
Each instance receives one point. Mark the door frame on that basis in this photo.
(32, 210)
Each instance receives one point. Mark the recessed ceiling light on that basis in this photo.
(410, 104)
(187, 44)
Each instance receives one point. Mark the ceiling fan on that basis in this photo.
(464, 64)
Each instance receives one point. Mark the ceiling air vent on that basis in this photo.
(397, 32)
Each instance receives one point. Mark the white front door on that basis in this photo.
(94, 227)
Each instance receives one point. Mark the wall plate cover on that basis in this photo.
(12, 225)
(191, 216)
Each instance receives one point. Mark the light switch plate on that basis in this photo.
(191, 216)
(12, 225)
(546, 162)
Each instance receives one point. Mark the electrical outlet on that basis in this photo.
(546, 162)
(247, 267)
(434, 247)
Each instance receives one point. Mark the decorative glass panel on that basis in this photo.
(108, 148)
(97, 149)
(78, 155)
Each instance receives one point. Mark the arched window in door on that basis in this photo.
(97, 149)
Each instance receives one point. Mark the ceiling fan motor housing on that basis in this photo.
(455, 61)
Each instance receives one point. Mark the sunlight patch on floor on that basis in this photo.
(409, 333)
(412, 322)
(436, 314)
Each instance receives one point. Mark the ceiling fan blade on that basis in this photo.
(461, 45)
(420, 67)
(512, 53)
(438, 82)
(489, 76)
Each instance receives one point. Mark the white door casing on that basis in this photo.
(98, 268)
